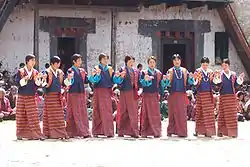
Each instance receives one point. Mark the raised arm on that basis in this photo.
(69, 80)
(119, 76)
(165, 81)
(145, 80)
(190, 78)
(95, 77)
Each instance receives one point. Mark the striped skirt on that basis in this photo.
(27, 122)
(150, 115)
(102, 120)
(77, 115)
(227, 117)
(204, 117)
(53, 116)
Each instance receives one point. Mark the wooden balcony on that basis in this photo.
(236, 34)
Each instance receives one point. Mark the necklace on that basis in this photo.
(204, 79)
(177, 74)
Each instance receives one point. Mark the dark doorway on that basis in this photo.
(168, 51)
(65, 49)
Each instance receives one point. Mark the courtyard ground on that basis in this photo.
(118, 152)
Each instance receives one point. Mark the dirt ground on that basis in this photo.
(119, 152)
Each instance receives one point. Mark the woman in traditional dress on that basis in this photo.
(152, 82)
(227, 117)
(178, 78)
(77, 123)
(205, 118)
(53, 116)
(102, 118)
(128, 79)
(27, 122)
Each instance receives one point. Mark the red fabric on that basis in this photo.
(177, 114)
(27, 122)
(118, 114)
(205, 118)
(5, 107)
(53, 117)
(227, 117)
(191, 107)
(187, 100)
(128, 114)
(77, 123)
(150, 115)
(102, 118)
(38, 99)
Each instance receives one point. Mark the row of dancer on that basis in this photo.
(129, 80)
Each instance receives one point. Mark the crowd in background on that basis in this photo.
(9, 93)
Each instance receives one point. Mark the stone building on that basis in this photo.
(117, 27)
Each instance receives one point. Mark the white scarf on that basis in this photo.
(54, 72)
(227, 75)
(28, 72)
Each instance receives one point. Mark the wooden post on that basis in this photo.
(36, 33)
(113, 37)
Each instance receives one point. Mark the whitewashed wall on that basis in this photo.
(128, 40)
(96, 43)
(16, 38)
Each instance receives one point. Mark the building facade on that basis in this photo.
(158, 30)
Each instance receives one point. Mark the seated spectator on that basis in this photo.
(115, 103)
(164, 106)
(40, 103)
(246, 112)
(8, 80)
(47, 65)
(240, 106)
(191, 106)
(139, 67)
(216, 104)
(6, 112)
(21, 65)
(12, 96)
(64, 103)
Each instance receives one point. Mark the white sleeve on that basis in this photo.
(140, 91)
(217, 80)
(240, 80)
(38, 82)
(195, 82)
(67, 82)
(44, 83)
(23, 82)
